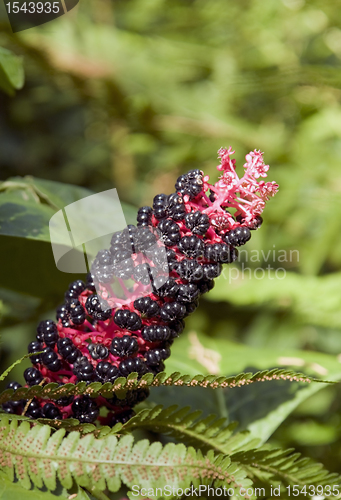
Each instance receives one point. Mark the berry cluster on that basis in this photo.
(172, 257)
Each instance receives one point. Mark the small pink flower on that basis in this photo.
(257, 207)
(226, 162)
(255, 165)
(267, 189)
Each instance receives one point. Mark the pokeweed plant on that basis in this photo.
(72, 427)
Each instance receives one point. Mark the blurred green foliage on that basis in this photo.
(11, 71)
(129, 94)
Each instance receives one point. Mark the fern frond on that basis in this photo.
(284, 467)
(122, 385)
(17, 362)
(210, 433)
(69, 424)
(35, 455)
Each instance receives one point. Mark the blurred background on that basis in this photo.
(132, 93)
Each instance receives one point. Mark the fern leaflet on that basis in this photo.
(34, 455)
(122, 385)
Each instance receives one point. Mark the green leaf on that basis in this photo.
(185, 426)
(122, 385)
(313, 299)
(23, 217)
(213, 434)
(26, 207)
(11, 71)
(28, 267)
(258, 408)
(35, 456)
(284, 467)
(28, 203)
(14, 491)
(196, 352)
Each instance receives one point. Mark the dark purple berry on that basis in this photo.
(127, 238)
(144, 216)
(221, 252)
(68, 350)
(212, 196)
(50, 359)
(106, 372)
(172, 311)
(144, 239)
(35, 347)
(160, 206)
(237, 237)
(33, 376)
(83, 369)
(11, 407)
(205, 286)
(47, 332)
(77, 312)
(51, 411)
(76, 288)
(190, 270)
(103, 258)
(188, 293)
(171, 206)
(155, 333)
(175, 207)
(124, 346)
(122, 417)
(64, 401)
(119, 253)
(128, 320)
(97, 309)
(13, 385)
(85, 409)
(131, 365)
(191, 307)
(15, 407)
(104, 274)
(212, 271)
(124, 269)
(142, 274)
(131, 398)
(197, 222)
(155, 356)
(161, 258)
(34, 409)
(90, 282)
(63, 314)
(176, 327)
(169, 232)
(148, 307)
(165, 288)
(191, 246)
(98, 351)
(116, 239)
(157, 368)
(190, 183)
